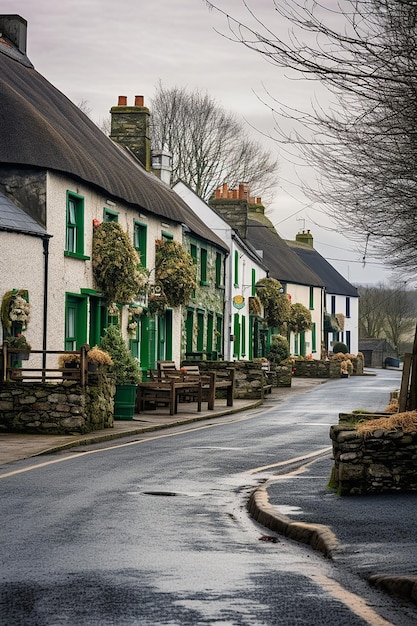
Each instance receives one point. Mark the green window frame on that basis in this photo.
(75, 321)
(219, 269)
(236, 269)
(253, 282)
(74, 234)
(200, 331)
(314, 337)
(189, 327)
(209, 334)
(219, 333)
(109, 215)
(243, 335)
(236, 336)
(165, 236)
(311, 299)
(203, 266)
(140, 239)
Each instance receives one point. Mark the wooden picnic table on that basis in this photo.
(168, 393)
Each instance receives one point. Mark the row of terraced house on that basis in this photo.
(60, 175)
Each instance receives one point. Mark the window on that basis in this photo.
(243, 336)
(166, 236)
(311, 299)
(74, 239)
(209, 340)
(189, 327)
(200, 331)
(140, 233)
(236, 336)
(203, 266)
(219, 269)
(314, 337)
(75, 321)
(333, 305)
(110, 216)
(348, 340)
(219, 333)
(236, 269)
(347, 307)
(253, 283)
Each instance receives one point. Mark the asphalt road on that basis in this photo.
(155, 530)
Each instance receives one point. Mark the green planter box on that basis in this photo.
(124, 402)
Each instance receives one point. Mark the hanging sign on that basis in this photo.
(238, 302)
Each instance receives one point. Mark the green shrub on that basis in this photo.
(338, 346)
(279, 350)
(125, 367)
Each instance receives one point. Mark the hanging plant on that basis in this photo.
(255, 305)
(175, 271)
(15, 308)
(116, 267)
(157, 304)
(277, 307)
(300, 318)
(132, 320)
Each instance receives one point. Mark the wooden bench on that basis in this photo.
(212, 383)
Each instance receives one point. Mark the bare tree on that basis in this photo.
(365, 144)
(387, 313)
(209, 146)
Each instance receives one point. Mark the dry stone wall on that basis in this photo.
(382, 462)
(50, 408)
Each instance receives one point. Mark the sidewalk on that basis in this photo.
(18, 446)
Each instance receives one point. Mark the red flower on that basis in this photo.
(96, 222)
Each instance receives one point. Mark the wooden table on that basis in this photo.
(168, 393)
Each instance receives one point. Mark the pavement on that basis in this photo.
(320, 536)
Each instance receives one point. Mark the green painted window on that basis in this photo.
(236, 269)
(74, 239)
(314, 338)
(219, 333)
(110, 216)
(219, 269)
(140, 237)
(243, 336)
(203, 266)
(75, 321)
(311, 300)
(189, 327)
(253, 282)
(166, 236)
(200, 331)
(236, 336)
(209, 340)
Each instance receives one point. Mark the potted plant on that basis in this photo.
(96, 357)
(126, 371)
(69, 363)
(20, 349)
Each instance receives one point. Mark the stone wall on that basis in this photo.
(51, 408)
(249, 376)
(384, 461)
(280, 375)
(325, 369)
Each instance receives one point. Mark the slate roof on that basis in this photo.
(41, 127)
(334, 282)
(13, 218)
(283, 263)
(375, 345)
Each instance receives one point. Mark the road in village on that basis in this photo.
(154, 530)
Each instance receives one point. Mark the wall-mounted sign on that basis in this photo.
(238, 302)
(156, 290)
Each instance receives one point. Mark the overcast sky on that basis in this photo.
(96, 50)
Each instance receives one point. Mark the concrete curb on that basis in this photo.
(318, 536)
(402, 586)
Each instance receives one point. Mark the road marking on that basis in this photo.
(296, 459)
(355, 603)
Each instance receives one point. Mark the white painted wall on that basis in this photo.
(246, 262)
(301, 294)
(351, 324)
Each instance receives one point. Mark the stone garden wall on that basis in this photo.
(249, 376)
(325, 369)
(63, 408)
(383, 461)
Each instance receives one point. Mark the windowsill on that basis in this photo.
(204, 283)
(76, 255)
(222, 287)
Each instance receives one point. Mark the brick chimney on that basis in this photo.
(130, 128)
(14, 28)
(232, 205)
(305, 237)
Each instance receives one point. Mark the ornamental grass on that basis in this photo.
(407, 422)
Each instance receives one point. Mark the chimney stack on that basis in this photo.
(130, 128)
(14, 28)
(305, 237)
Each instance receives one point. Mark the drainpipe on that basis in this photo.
(45, 243)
